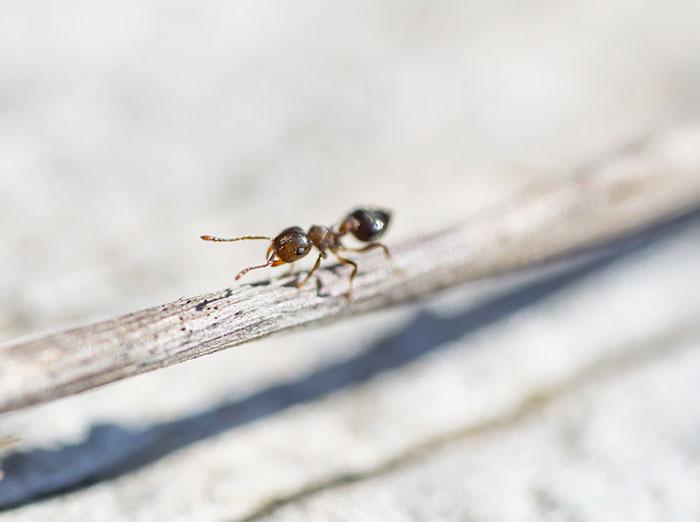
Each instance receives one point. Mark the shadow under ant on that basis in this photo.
(297, 276)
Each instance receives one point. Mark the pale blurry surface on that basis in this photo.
(127, 129)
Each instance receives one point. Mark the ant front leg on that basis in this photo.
(345, 261)
(315, 267)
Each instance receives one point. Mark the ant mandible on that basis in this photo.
(367, 224)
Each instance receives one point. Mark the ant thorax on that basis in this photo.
(323, 238)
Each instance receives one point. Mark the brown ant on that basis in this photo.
(366, 224)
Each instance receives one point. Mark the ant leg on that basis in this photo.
(370, 247)
(352, 274)
(308, 276)
(387, 254)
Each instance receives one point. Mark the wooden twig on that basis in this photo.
(6, 442)
(656, 182)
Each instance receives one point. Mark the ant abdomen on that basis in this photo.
(369, 223)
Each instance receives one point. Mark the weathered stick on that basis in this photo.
(656, 182)
(6, 442)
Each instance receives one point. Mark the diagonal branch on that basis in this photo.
(656, 182)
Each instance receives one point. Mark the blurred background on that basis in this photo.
(127, 129)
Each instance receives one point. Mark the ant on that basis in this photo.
(366, 224)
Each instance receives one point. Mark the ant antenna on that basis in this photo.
(226, 240)
(246, 270)
(243, 272)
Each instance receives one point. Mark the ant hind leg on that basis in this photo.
(346, 261)
(370, 247)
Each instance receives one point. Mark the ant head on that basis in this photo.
(366, 224)
(291, 244)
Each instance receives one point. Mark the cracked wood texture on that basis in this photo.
(655, 181)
